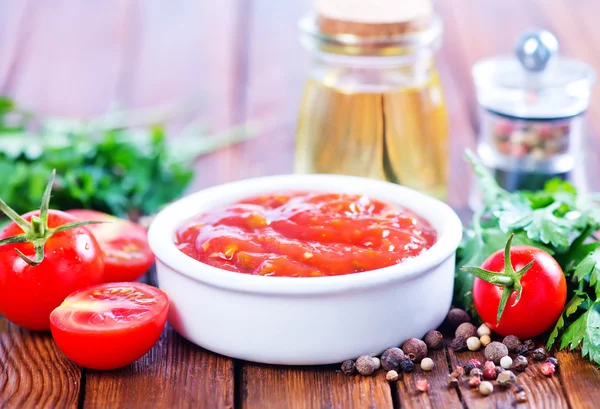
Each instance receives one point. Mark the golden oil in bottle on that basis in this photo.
(378, 116)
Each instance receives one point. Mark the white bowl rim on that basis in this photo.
(168, 220)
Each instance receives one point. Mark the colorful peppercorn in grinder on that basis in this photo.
(531, 109)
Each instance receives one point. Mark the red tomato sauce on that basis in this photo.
(305, 235)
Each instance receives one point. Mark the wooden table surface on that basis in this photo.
(242, 57)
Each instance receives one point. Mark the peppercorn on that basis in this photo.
(553, 361)
(467, 366)
(365, 365)
(499, 370)
(486, 388)
(476, 372)
(390, 360)
(406, 365)
(422, 385)
(506, 362)
(548, 368)
(391, 376)
(415, 349)
(519, 388)
(489, 373)
(521, 396)
(530, 344)
(377, 362)
(474, 381)
(348, 367)
(459, 344)
(427, 364)
(434, 339)
(458, 372)
(522, 350)
(506, 378)
(511, 343)
(485, 340)
(473, 343)
(483, 330)
(456, 316)
(451, 382)
(476, 362)
(466, 330)
(539, 354)
(489, 365)
(495, 351)
(519, 363)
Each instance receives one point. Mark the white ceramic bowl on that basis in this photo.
(303, 321)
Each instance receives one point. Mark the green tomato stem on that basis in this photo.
(508, 279)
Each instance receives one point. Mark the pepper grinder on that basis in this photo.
(531, 108)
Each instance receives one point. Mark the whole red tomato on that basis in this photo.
(542, 288)
(127, 254)
(110, 325)
(72, 260)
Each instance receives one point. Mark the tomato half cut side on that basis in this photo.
(110, 325)
(127, 254)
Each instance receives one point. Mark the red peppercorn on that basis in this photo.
(477, 362)
(422, 385)
(489, 373)
(548, 368)
(489, 365)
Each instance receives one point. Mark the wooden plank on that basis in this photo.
(33, 372)
(580, 379)
(542, 392)
(69, 56)
(271, 387)
(439, 395)
(174, 374)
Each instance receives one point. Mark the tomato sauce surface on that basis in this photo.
(305, 235)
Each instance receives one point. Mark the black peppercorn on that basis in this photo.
(530, 344)
(522, 350)
(553, 361)
(415, 349)
(512, 343)
(468, 366)
(459, 344)
(434, 339)
(519, 363)
(466, 330)
(365, 365)
(348, 367)
(495, 351)
(390, 359)
(499, 370)
(456, 316)
(406, 365)
(539, 354)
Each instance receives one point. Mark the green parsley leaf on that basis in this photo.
(585, 331)
(589, 270)
(569, 310)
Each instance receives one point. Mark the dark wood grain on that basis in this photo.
(542, 392)
(439, 395)
(174, 374)
(269, 387)
(580, 379)
(33, 372)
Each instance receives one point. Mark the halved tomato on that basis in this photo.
(109, 325)
(127, 255)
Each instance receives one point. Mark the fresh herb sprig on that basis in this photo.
(112, 164)
(555, 219)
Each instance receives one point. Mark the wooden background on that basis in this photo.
(242, 58)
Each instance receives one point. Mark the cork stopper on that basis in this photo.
(373, 18)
